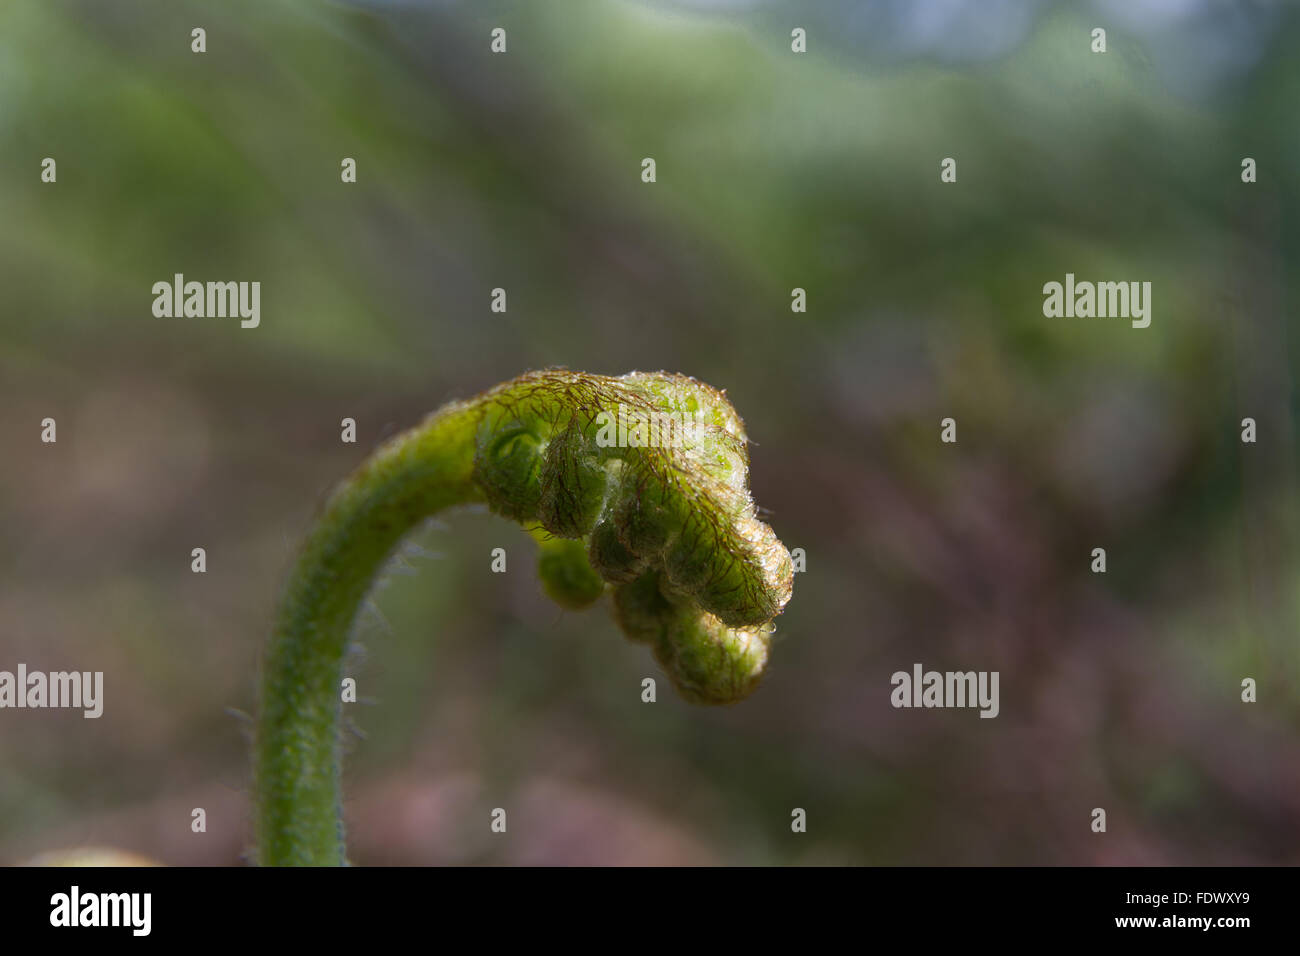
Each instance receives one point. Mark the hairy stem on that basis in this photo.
(414, 476)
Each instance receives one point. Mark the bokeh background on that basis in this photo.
(775, 170)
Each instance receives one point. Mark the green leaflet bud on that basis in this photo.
(574, 483)
(508, 466)
(567, 577)
(642, 612)
(651, 471)
(652, 467)
(608, 555)
(708, 662)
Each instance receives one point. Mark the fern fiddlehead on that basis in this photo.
(636, 484)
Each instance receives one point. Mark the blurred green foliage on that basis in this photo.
(775, 170)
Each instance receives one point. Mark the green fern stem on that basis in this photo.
(668, 525)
